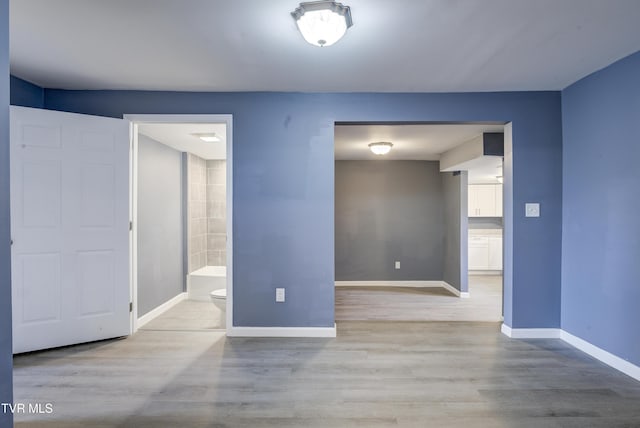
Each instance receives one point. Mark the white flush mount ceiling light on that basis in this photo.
(322, 23)
(209, 137)
(381, 148)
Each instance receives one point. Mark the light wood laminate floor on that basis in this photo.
(366, 303)
(188, 315)
(422, 304)
(374, 374)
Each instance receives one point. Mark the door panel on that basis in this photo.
(97, 199)
(41, 194)
(39, 279)
(70, 228)
(95, 279)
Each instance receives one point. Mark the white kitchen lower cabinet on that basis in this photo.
(485, 252)
(478, 253)
(495, 253)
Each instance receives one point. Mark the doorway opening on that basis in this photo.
(486, 229)
(402, 225)
(181, 243)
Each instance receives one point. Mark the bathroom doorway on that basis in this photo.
(181, 243)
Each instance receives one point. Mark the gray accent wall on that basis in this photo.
(160, 224)
(197, 209)
(6, 347)
(456, 237)
(387, 211)
(216, 213)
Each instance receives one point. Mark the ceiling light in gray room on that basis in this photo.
(381, 148)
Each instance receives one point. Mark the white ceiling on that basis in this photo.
(179, 136)
(485, 169)
(247, 45)
(410, 142)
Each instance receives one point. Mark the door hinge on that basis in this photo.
(130, 306)
(130, 225)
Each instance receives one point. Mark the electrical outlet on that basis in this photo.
(279, 294)
(397, 265)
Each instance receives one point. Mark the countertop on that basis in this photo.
(485, 232)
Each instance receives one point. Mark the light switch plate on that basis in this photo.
(279, 294)
(397, 265)
(532, 209)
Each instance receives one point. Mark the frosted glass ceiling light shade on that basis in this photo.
(322, 23)
(381, 148)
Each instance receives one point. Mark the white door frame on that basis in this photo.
(136, 119)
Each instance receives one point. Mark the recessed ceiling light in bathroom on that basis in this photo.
(208, 137)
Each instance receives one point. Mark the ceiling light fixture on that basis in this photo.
(381, 148)
(209, 137)
(322, 23)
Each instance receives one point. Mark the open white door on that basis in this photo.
(70, 228)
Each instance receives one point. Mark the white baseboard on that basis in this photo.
(608, 358)
(418, 284)
(281, 331)
(389, 284)
(530, 333)
(600, 354)
(454, 291)
(485, 272)
(146, 318)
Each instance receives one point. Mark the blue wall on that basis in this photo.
(6, 360)
(26, 94)
(283, 187)
(601, 231)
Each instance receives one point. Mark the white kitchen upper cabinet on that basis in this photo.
(485, 200)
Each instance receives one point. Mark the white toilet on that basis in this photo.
(219, 298)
